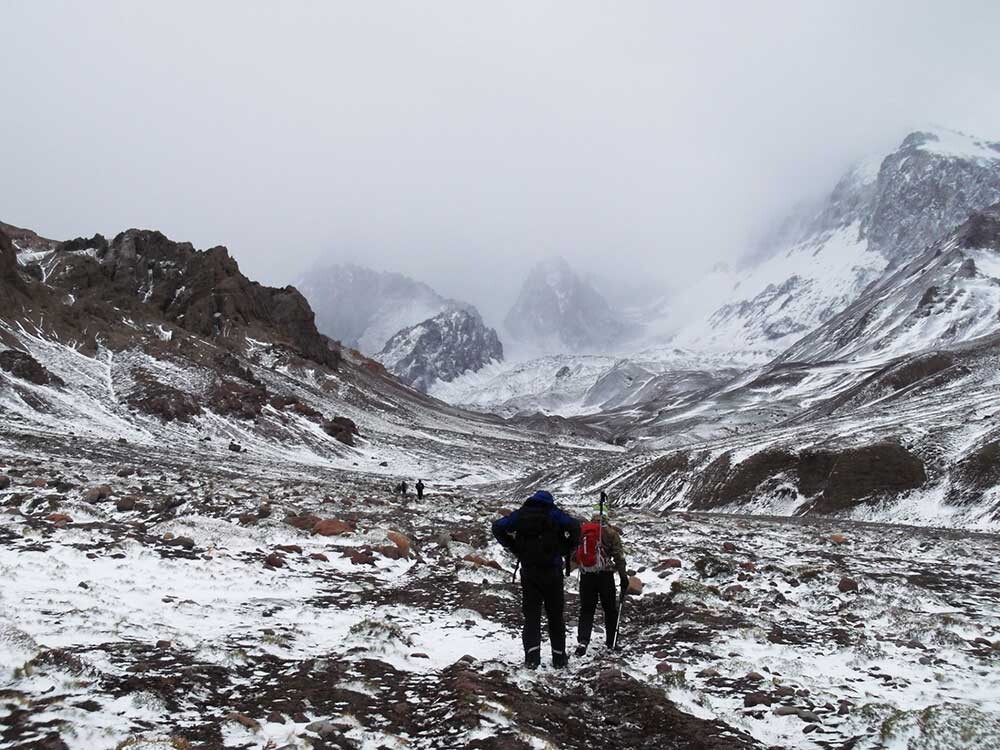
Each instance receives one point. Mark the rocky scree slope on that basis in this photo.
(882, 214)
(441, 349)
(885, 412)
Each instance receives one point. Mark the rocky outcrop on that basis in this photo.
(822, 480)
(442, 348)
(91, 282)
(23, 365)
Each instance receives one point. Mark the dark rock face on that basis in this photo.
(836, 479)
(161, 400)
(441, 348)
(977, 472)
(203, 292)
(923, 192)
(8, 259)
(556, 308)
(23, 365)
(857, 474)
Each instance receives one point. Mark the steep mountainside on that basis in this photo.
(557, 311)
(442, 348)
(886, 412)
(159, 344)
(882, 214)
(947, 295)
(363, 308)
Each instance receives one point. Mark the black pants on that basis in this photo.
(542, 588)
(592, 587)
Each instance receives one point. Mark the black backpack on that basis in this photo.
(539, 538)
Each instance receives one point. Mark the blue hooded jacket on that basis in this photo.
(505, 528)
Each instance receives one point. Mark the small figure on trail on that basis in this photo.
(542, 537)
(401, 488)
(599, 556)
(419, 486)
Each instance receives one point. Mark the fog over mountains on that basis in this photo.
(166, 418)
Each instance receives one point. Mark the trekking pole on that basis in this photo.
(618, 622)
(513, 578)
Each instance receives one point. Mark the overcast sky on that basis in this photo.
(459, 141)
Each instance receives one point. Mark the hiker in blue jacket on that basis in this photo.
(541, 536)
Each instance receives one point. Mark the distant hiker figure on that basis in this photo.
(401, 488)
(419, 486)
(541, 536)
(599, 556)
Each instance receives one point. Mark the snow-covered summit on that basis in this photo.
(441, 348)
(873, 220)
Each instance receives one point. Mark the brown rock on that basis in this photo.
(331, 527)
(670, 563)
(125, 504)
(289, 548)
(754, 677)
(786, 711)
(163, 645)
(39, 482)
(481, 562)
(319, 556)
(401, 542)
(663, 667)
(4, 481)
(748, 566)
(838, 539)
(60, 519)
(274, 560)
(728, 547)
(847, 584)
(361, 557)
(246, 721)
(634, 586)
(98, 493)
(756, 698)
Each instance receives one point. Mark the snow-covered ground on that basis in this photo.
(195, 607)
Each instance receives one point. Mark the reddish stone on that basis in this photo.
(319, 556)
(59, 518)
(401, 542)
(331, 527)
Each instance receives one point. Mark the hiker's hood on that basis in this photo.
(542, 497)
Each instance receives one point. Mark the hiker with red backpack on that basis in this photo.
(542, 537)
(598, 557)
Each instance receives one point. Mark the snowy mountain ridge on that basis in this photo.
(442, 348)
(873, 220)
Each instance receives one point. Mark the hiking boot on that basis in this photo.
(533, 659)
(580, 650)
(559, 661)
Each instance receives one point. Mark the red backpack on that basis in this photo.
(590, 553)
